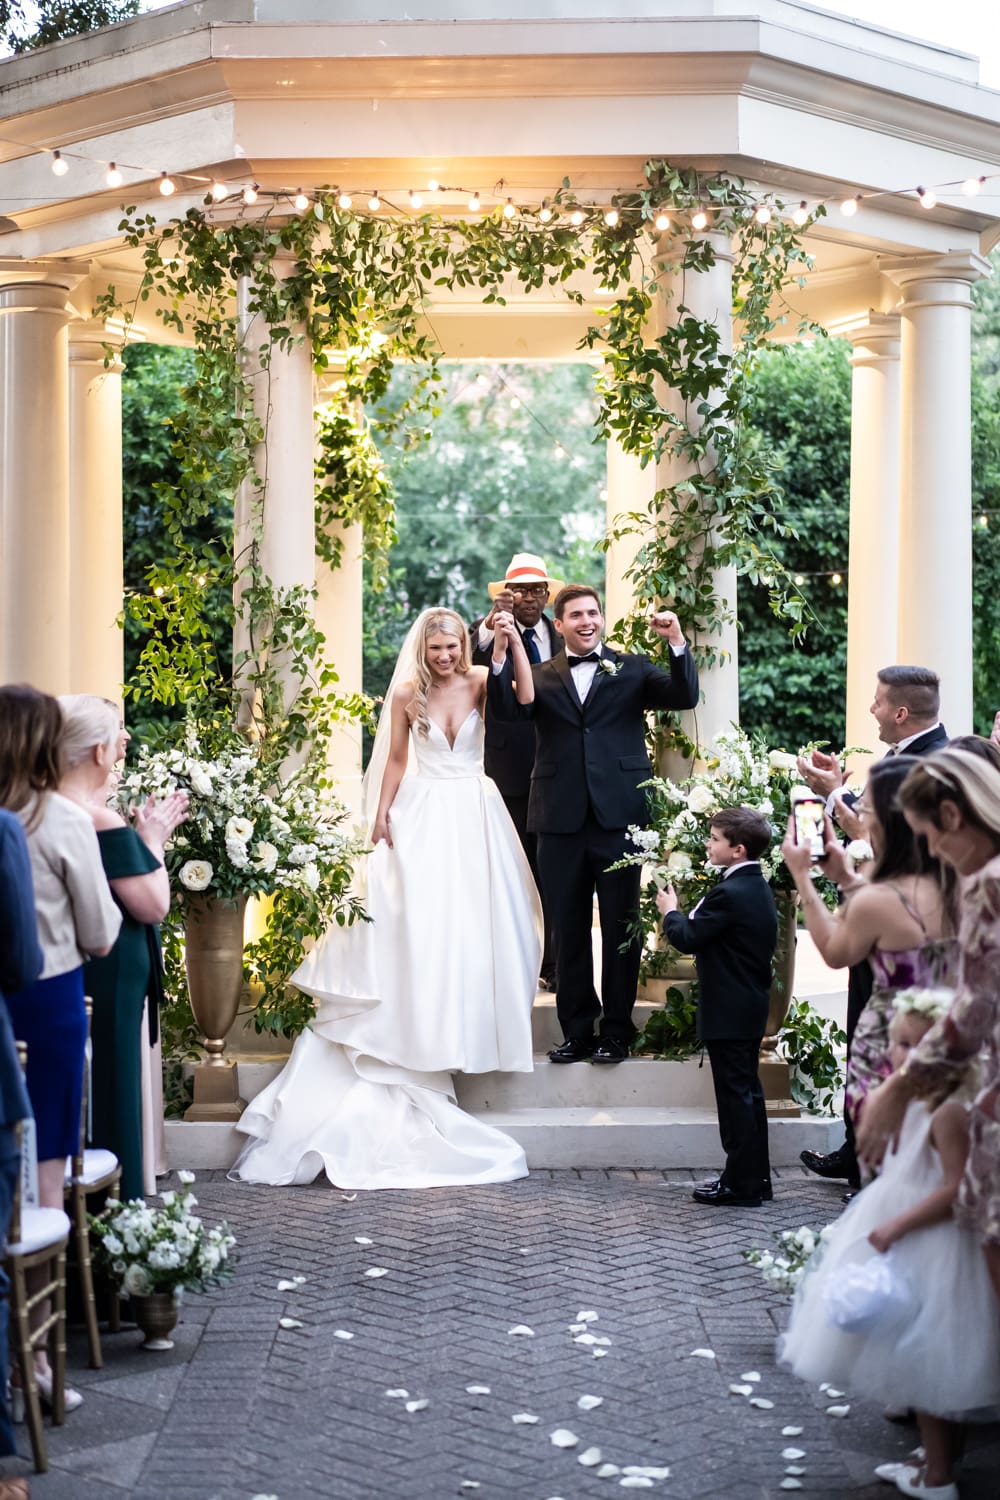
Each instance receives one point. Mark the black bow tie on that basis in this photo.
(575, 661)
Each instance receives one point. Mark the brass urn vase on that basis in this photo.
(213, 939)
(156, 1317)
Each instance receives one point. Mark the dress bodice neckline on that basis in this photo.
(473, 713)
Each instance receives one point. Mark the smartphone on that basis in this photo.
(808, 816)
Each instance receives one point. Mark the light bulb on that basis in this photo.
(509, 210)
(433, 185)
(611, 218)
(166, 185)
(59, 166)
(375, 202)
(801, 214)
(300, 201)
(763, 214)
(158, 591)
(849, 207)
(662, 221)
(576, 217)
(927, 199)
(474, 203)
(971, 186)
(482, 379)
(114, 177)
(699, 220)
(799, 580)
(201, 580)
(344, 200)
(515, 402)
(835, 579)
(559, 451)
(219, 192)
(250, 194)
(415, 200)
(984, 520)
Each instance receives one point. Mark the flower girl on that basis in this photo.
(920, 1328)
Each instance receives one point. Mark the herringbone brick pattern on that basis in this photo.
(243, 1408)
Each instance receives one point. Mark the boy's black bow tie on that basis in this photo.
(574, 661)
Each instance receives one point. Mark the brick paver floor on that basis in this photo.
(243, 1408)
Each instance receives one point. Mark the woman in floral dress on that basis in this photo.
(953, 800)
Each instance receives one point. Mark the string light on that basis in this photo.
(300, 201)
(972, 185)
(799, 580)
(699, 220)
(927, 200)
(662, 221)
(474, 203)
(415, 200)
(509, 210)
(251, 194)
(576, 217)
(836, 579)
(114, 178)
(559, 451)
(611, 217)
(545, 212)
(801, 215)
(515, 403)
(375, 202)
(166, 185)
(219, 192)
(433, 185)
(59, 165)
(763, 214)
(849, 207)
(344, 200)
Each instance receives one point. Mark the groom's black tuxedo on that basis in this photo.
(590, 762)
(732, 935)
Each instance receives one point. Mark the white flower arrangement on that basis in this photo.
(608, 667)
(166, 1249)
(798, 1252)
(932, 1003)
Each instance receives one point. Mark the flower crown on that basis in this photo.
(924, 1002)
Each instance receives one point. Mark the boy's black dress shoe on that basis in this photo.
(608, 1050)
(575, 1049)
(766, 1190)
(724, 1197)
(835, 1164)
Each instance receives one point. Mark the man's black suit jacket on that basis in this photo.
(732, 939)
(509, 750)
(592, 756)
(924, 744)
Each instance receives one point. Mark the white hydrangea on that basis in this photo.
(237, 854)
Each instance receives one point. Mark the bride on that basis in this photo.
(441, 980)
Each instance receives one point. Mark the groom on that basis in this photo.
(590, 760)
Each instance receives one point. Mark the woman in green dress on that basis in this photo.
(94, 740)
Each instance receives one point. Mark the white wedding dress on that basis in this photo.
(440, 981)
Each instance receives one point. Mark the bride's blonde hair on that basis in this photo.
(437, 622)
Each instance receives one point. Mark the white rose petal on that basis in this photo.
(524, 1419)
(196, 875)
(585, 1338)
(792, 1431)
(361, 1239)
(702, 1354)
(587, 1317)
(762, 1403)
(289, 1323)
(590, 1458)
(741, 1390)
(793, 1453)
(645, 1471)
(577, 1327)
(636, 1482)
(607, 1471)
(833, 1395)
(469, 1484)
(521, 1330)
(342, 1333)
(478, 1390)
(752, 1375)
(348, 1197)
(791, 1484)
(588, 1403)
(598, 1353)
(563, 1438)
(399, 1395)
(794, 1469)
(288, 1286)
(420, 1405)
(375, 1271)
(837, 1411)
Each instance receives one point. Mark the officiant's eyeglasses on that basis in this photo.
(533, 590)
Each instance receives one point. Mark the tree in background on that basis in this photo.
(986, 497)
(24, 26)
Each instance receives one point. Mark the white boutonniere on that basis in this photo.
(608, 667)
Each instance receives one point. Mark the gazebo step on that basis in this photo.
(633, 1136)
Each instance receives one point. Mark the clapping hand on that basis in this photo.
(156, 819)
(822, 773)
(667, 626)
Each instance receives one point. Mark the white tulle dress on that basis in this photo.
(943, 1357)
(440, 981)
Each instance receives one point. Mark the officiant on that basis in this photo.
(524, 591)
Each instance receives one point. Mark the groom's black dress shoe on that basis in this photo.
(766, 1190)
(721, 1196)
(575, 1049)
(609, 1050)
(834, 1164)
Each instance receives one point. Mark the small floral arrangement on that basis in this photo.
(798, 1251)
(608, 667)
(932, 1003)
(166, 1249)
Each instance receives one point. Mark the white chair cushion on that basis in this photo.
(40, 1229)
(97, 1164)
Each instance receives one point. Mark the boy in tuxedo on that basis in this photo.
(732, 933)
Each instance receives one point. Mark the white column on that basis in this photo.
(339, 611)
(34, 487)
(935, 549)
(872, 599)
(279, 520)
(708, 296)
(630, 489)
(96, 565)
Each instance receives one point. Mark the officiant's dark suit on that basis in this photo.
(590, 761)
(732, 934)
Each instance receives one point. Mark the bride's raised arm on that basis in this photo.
(507, 637)
(395, 766)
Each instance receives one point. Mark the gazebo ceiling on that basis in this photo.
(521, 94)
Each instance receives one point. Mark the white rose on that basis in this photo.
(700, 799)
(200, 782)
(310, 875)
(112, 1244)
(196, 875)
(678, 863)
(237, 852)
(781, 760)
(137, 1282)
(185, 1176)
(240, 829)
(265, 857)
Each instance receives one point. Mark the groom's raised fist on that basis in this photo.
(667, 626)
